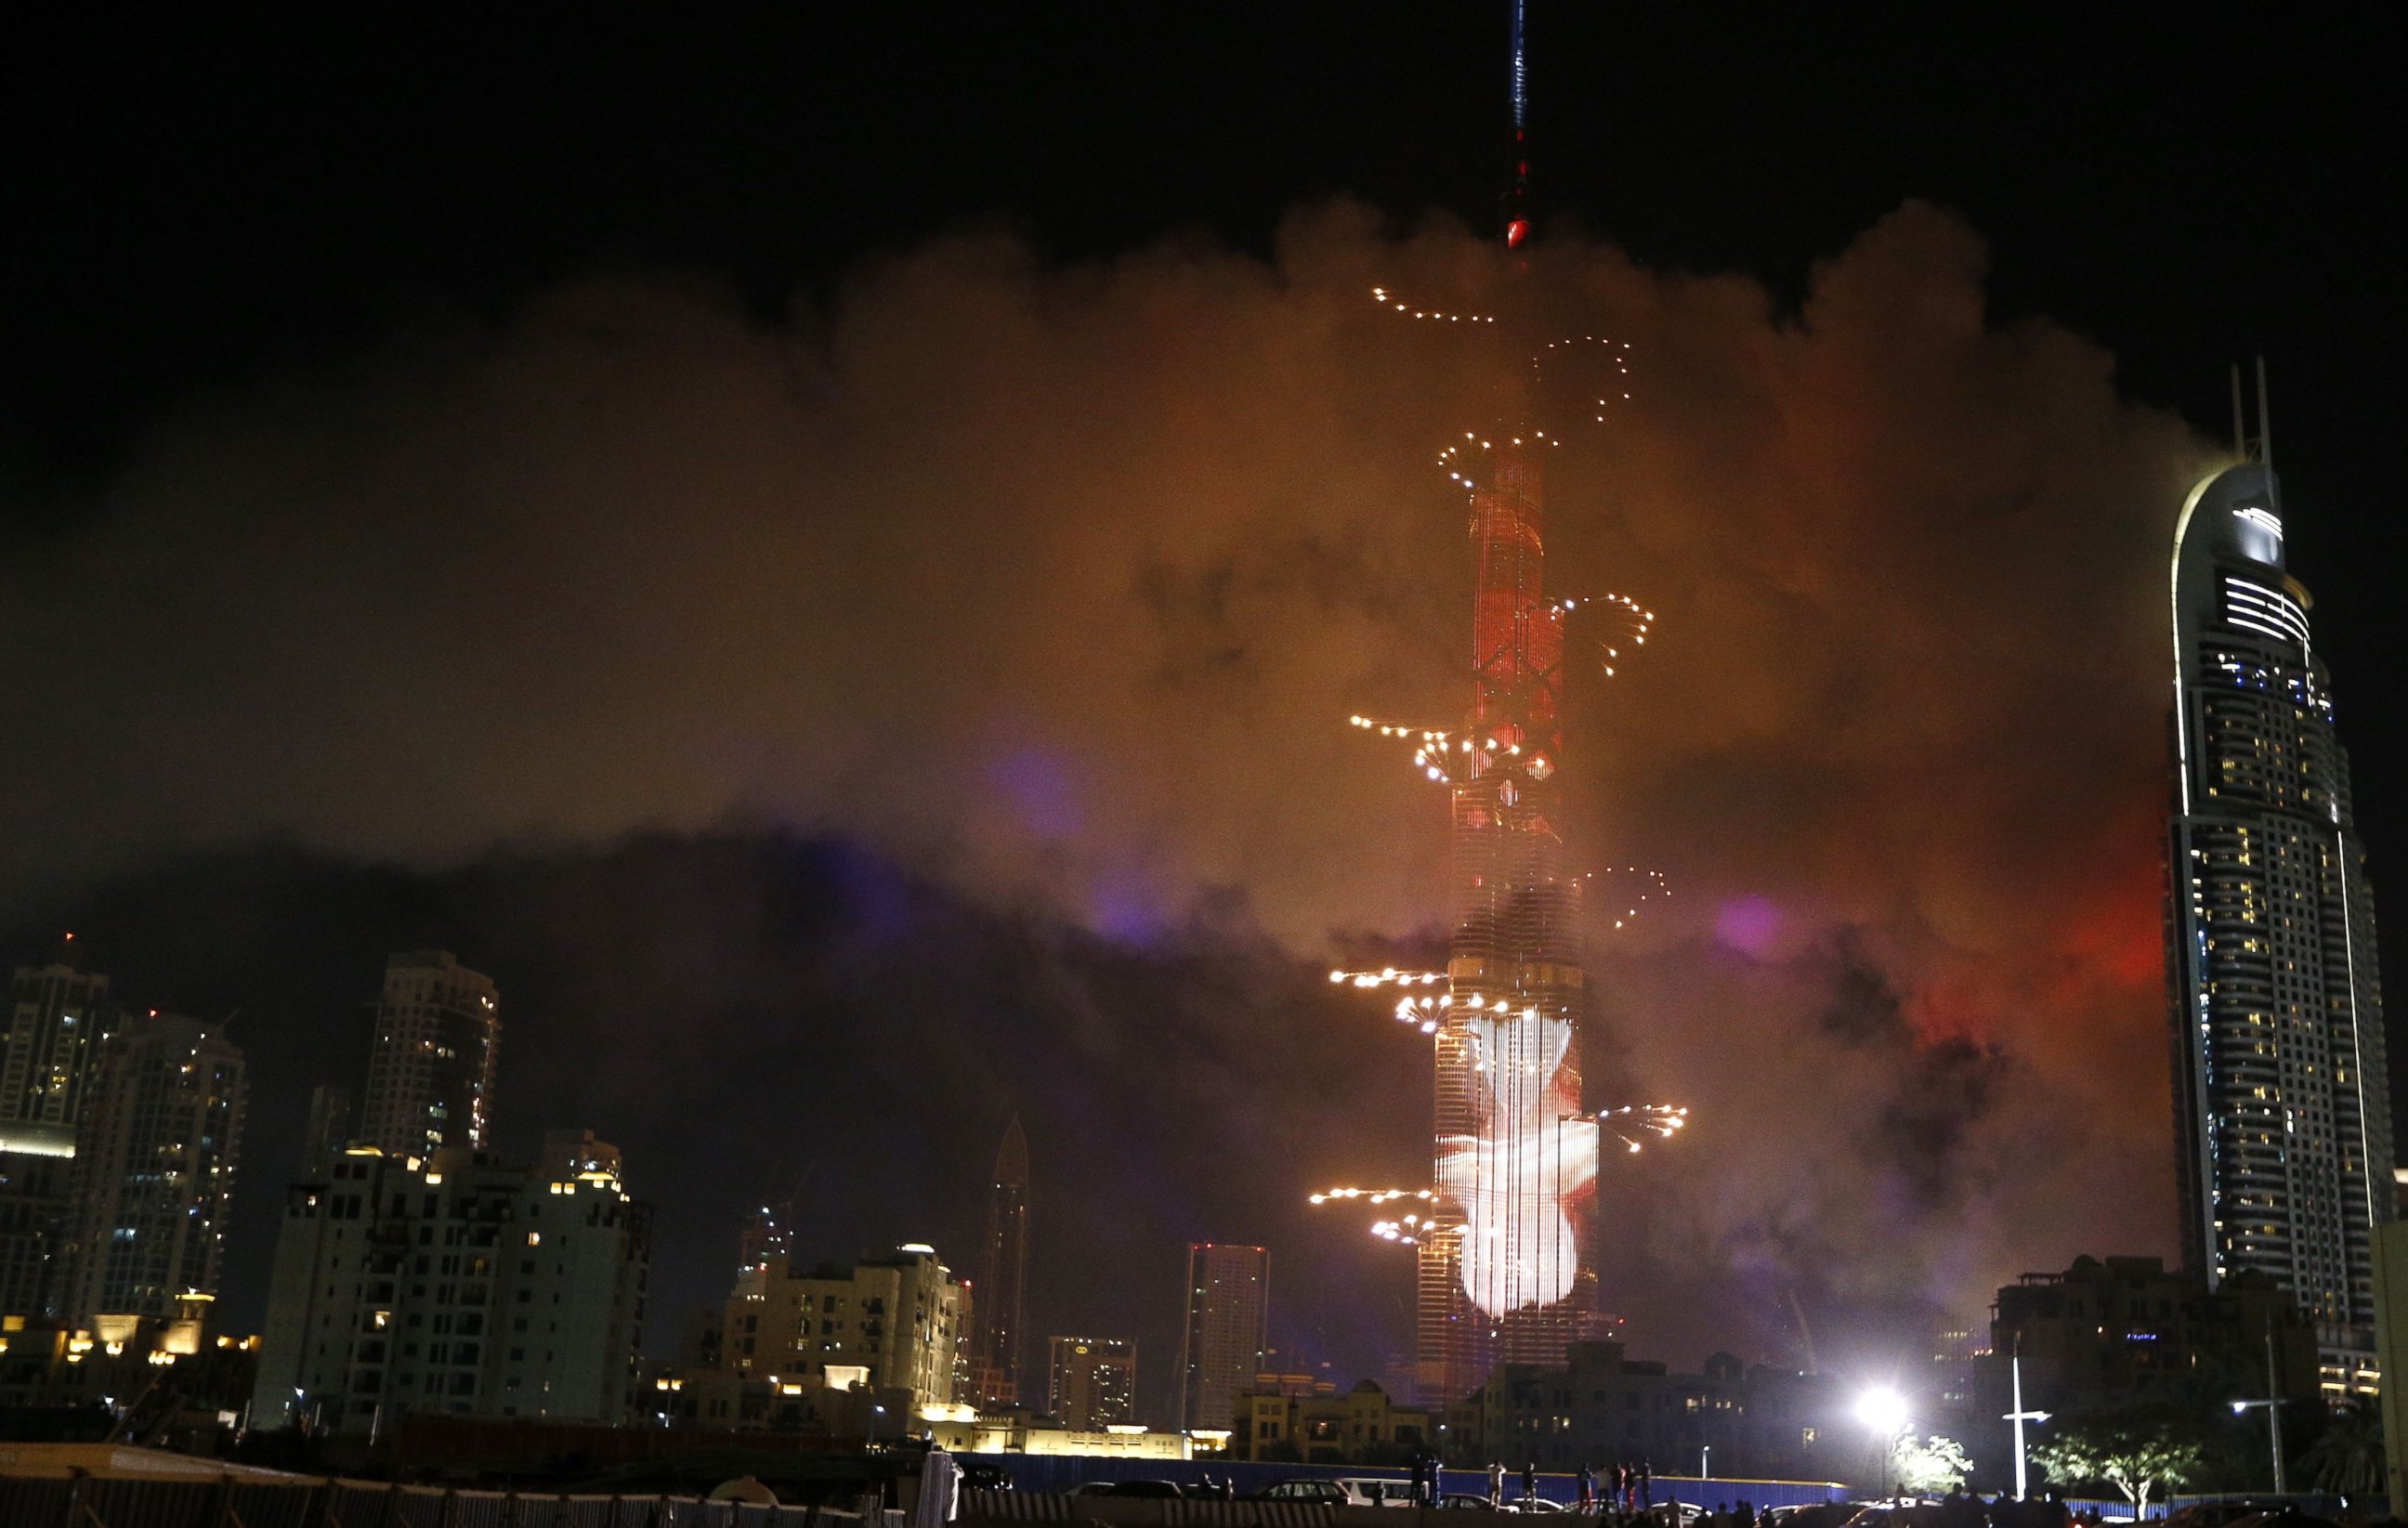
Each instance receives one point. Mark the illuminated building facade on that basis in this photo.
(2282, 1116)
(56, 1014)
(1221, 1345)
(995, 1341)
(1091, 1383)
(154, 1169)
(1503, 1277)
(56, 1017)
(455, 1285)
(430, 1080)
(890, 1324)
(1361, 1427)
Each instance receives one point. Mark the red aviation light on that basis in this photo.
(1515, 232)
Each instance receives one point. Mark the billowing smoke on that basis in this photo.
(1056, 587)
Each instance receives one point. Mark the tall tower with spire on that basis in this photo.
(997, 1339)
(1500, 1233)
(2281, 1107)
(1515, 1156)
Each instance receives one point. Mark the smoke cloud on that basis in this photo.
(1053, 588)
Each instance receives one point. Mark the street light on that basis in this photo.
(2019, 1416)
(1705, 1456)
(2272, 1404)
(1883, 1412)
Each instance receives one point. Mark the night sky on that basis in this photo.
(828, 548)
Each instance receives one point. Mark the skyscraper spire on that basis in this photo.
(998, 1299)
(1517, 195)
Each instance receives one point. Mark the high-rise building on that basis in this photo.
(327, 1131)
(2282, 1121)
(36, 1191)
(154, 1169)
(431, 1062)
(1503, 1274)
(1221, 1345)
(1091, 1383)
(995, 1341)
(769, 1235)
(55, 1020)
(454, 1284)
(891, 1323)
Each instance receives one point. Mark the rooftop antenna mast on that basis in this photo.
(1517, 197)
(2261, 449)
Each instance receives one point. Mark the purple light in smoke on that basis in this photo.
(1749, 925)
(1044, 790)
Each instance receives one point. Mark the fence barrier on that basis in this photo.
(85, 1501)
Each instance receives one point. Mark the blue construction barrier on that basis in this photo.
(1060, 1472)
(2312, 1504)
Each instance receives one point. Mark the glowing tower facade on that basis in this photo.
(2282, 1118)
(1504, 1277)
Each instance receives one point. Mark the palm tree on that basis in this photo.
(2346, 1458)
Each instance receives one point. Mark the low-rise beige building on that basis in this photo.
(1362, 1427)
(889, 1323)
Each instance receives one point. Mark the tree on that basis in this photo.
(1929, 1466)
(2134, 1451)
(2346, 1458)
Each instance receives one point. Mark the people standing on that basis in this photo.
(1587, 1489)
(1530, 1480)
(1496, 1482)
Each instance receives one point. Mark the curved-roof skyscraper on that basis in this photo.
(2282, 1119)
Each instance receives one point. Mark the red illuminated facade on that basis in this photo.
(1506, 1276)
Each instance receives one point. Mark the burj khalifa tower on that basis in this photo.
(1504, 1270)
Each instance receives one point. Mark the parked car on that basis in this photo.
(1328, 1492)
(1465, 1501)
(2219, 1514)
(1375, 1491)
(1533, 1504)
(1161, 1491)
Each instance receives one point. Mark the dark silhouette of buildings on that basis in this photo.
(1000, 1298)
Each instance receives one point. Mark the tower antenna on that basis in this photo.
(2266, 443)
(2239, 432)
(2265, 420)
(1517, 197)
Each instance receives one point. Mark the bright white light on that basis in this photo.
(1529, 1156)
(1882, 1410)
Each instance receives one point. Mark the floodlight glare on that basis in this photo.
(1883, 1410)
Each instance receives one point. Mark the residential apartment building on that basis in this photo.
(886, 1323)
(1222, 1343)
(154, 1169)
(456, 1284)
(1091, 1383)
(431, 1058)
